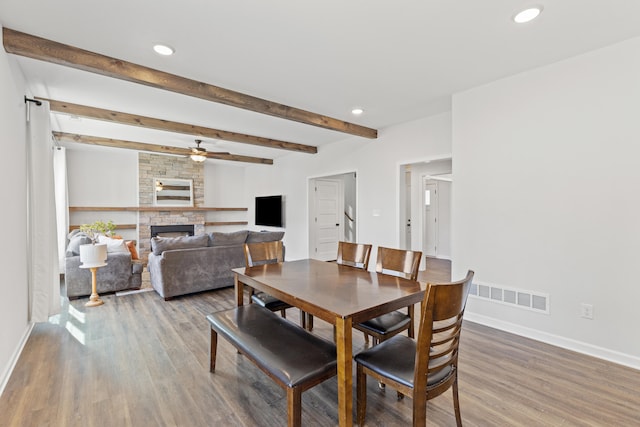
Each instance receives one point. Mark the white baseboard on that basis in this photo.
(4, 379)
(556, 340)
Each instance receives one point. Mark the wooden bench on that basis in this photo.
(294, 358)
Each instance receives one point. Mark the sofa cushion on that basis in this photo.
(77, 239)
(161, 244)
(114, 245)
(264, 236)
(227, 239)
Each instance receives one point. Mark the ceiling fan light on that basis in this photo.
(198, 158)
(198, 154)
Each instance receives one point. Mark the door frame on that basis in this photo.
(311, 205)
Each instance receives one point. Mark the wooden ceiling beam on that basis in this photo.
(164, 149)
(30, 46)
(166, 125)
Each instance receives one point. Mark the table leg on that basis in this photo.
(94, 299)
(239, 291)
(345, 373)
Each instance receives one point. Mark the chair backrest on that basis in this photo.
(398, 262)
(354, 254)
(263, 253)
(439, 334)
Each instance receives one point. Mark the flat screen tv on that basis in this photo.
(269, 211)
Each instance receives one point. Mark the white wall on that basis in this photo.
(546, 198)
(224, 188)
(376, 163)
(100, 176)
(14, 325)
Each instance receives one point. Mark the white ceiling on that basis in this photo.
(398, 60)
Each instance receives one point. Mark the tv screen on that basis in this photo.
(269, 211)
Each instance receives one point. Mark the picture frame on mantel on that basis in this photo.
(172, 192)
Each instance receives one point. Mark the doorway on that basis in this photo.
(430, 217)
(332, 214)
(425, 207)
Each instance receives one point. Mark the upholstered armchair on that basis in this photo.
(120, 273)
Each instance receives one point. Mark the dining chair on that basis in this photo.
(353, 255)
(398, 262)
(423, 368)
(261, 253)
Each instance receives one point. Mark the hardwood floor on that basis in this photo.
(141, 361)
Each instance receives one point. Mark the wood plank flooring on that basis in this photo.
(141, 361)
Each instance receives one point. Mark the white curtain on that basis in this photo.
(44, 274)
(62, 201)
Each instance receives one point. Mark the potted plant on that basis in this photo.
(92, 254)
(96, 228)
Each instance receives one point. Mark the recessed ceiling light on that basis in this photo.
(527, 15)
(357, 111)
(162, 49)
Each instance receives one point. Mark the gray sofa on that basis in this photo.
(120, 273)
(184, 265)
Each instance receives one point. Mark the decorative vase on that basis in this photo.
(93, 255)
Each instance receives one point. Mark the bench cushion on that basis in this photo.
(288, 352)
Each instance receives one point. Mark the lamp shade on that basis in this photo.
(93, 255)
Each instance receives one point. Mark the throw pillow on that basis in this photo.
(264, 236)
(131, 244)
(227, 239)
(114, 245)
(77, 239)
(161, 244)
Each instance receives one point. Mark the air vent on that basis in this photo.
(529, 300)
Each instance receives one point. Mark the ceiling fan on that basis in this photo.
(199, 154)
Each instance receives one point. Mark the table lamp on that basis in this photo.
(92, 257)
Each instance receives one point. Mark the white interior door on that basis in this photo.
(430, 199)
(327, 212)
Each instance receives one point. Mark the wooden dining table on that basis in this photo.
(338, 294)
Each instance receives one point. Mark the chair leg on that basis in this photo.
(310, 322)
(456, 402)
(283, 313)
(411, 313)
(294, 407)
(361, 393)
(366, 338)
(303, 319)
(213, 351)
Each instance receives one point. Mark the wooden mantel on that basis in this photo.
(157, 209)
(151, 209)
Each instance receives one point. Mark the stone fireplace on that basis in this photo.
(154, 166)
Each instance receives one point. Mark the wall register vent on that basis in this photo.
(529, 300)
